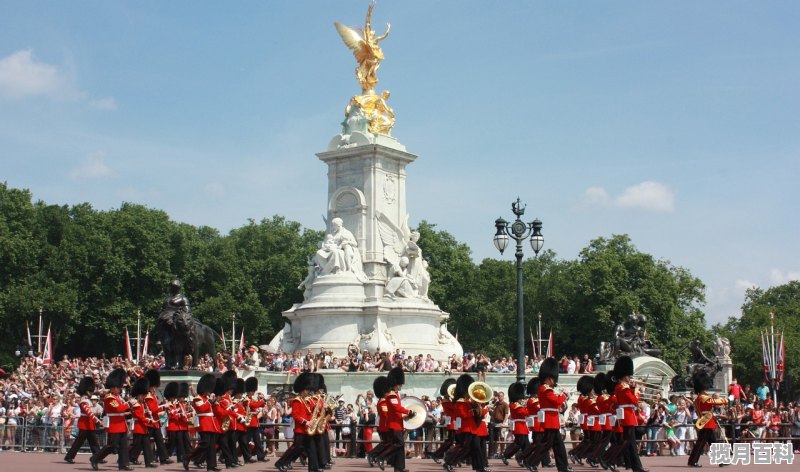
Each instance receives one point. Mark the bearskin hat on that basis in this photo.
(599, 383)
(319, 383)
(251, 384)
(304, 381)
(206, 384)
(140, 387)
(446, 386)
(701, 381)
(171, 390)
(85, 386)
(623, 367)
(611, 382)
(516, 392)
(533, 386)
(585, 384)
(229, 379)
(183, 390)
(462, 384)
(219, 386)
(380, 386)
(116, 378)
(396, 377)
(549, 368)
(239, 387)
(154, 377)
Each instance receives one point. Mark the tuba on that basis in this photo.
(480, 392)
(451, 392)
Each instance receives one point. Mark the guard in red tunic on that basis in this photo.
(224, 409)
(186, 411)
(154, 377)
(395, 454)
(302, 407)
(535, 427)
(604, 412)
(704, 404)
(207, 424)
(612, 456)
(117, 429)
(255, 404)
(381, 387)
(549, 415)
(174, 411)
(518, 415)
(447, 416)
(589, 422)
(142, 422)
(240, 425)
(627, 395)
(87, 422)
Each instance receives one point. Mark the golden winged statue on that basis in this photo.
(369, 55)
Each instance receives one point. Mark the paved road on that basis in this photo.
(42, 462)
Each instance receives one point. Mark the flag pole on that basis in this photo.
(138, 334)
(233, 333)
(39, 339)
(540, 333)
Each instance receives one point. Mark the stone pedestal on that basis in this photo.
(725, 376)
(367, 192)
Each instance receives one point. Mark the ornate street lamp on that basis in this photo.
(519, 230)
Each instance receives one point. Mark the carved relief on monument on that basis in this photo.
(389, 189)
(408, 276)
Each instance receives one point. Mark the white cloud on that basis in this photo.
(778, 277)
(22, 76)
(93, 167)
(107, 103)
(215, 189)
(596, 196)
(743, 285)
(649, 195)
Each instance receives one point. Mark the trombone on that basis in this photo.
(650, 391)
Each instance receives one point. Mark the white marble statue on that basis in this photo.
(401, 283)
(344, 240)
(408, 273)
(338, 253)
(722, 347)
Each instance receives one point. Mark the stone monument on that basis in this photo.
(367, 284)
(722, 351)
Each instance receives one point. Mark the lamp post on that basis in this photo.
(520, 231)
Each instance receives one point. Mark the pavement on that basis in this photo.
(41, 462)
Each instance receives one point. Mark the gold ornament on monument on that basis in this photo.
(369, 56)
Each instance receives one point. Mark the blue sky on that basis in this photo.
(675, 122)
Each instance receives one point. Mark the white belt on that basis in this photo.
(628, 406)
(115, 414)
(205, 414)
(548, 409)
(519, 421)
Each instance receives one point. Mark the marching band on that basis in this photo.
(225, 412)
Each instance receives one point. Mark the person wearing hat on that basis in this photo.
(589, 422)
(117, 429)
(447, 415)
(87, 422)
(255, 403)
(174, 413)
(142, 422)
(207, 423)
(551, 403)
(611, 457)
(224, 408)
(302, 407)
(704, 405)
(519, 426)
(464, 414)
(240, 425)
(605, 418)
(381, 387)
(183, 419)
(151, 402)
(627, 394)
(323, 440)
(395, 453)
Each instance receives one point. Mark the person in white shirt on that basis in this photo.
(571, 366)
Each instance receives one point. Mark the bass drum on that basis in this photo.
(418, 407)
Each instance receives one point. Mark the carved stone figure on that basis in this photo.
(179, 333)
(629, 340)
(330, 258)
(411, 275)
(306, 284)
(722, 347)
(401, 284)
(699, 362)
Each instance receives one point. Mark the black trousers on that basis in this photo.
(395, 453)
(292, 452)
(704, 437)
(631, 448)
(601, 442)
(254, 434)
(118, 442)
(84, 435)
(460, 451)
(205, 450)
(446, 444)
(527, 454)
(178, 441)
(227, 444)
(242, 445)
(551, 439)
(480, 460)
(521, 443)
(141, 443)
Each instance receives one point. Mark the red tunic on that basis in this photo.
(612, 405)
(205, 415)
(301, 414)
(462, 416)
(255, 405)
(87, 421)
(155, 410)
(115, 409)
(174, 417)
(481, 429)
(396, 411)
(383, 412)
(593, 411)
(518, 413)
(704, 403)
(533, 413)
(628, 400)
(183, 420)
(447, 414)
(240, 423)
(603, 407)
(141, 421)
(582, 409)
(551, 403)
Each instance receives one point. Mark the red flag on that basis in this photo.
(28, 329)
(550, 349)
(241, 341)
(146, 343)
(224, 345)
(128, 350)
(47, 356)
(781, 359)
(533, 343)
